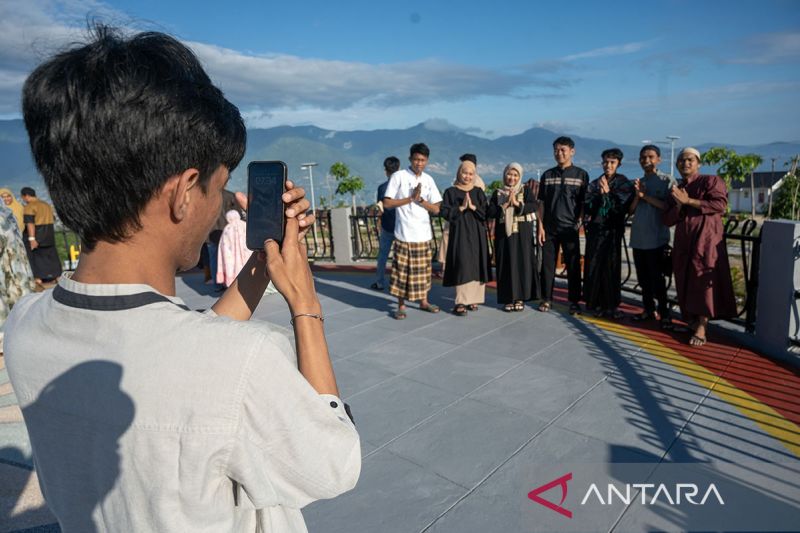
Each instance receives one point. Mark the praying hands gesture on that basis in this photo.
(680, 195)
(416, 196)
(466, 204)
(603, 184)
(641, 190)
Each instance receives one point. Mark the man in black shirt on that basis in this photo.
(561, 191)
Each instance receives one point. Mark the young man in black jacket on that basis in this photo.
(561, 191)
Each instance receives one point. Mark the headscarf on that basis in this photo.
(458, 171)
(477, 181)
(15, 207)
(503, 195)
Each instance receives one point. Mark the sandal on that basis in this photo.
(519, 306)
(574, 309)
(598, 313)
(460, 310)
(616, 314)
(667, 325)
(544, 307)
(400, 314)
(697, 341)
(643, 316)
(430, 308)
(508, 308)
(472, 307)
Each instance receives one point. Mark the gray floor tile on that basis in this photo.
(404, 353)
(536, 390)
(348, 342)
(465, 442)
(719, 432)
(756, 496)
(462, 370)
(385, 412)
(353, 377)
(501, 502)
(630, 413)
(393, 495)
(522, 338)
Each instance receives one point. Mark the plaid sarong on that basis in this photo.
(411, 270)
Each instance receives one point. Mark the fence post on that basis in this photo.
(777, 319)
(341, 236)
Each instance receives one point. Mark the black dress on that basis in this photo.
(467, 247)
(515, 260)
(605, 226)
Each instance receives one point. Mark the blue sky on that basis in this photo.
(625, 71)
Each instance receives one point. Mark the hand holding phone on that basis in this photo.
(266, 182)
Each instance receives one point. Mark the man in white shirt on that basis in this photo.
(142, 414)
(415, 196)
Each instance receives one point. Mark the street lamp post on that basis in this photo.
(672, 139)
(310, 168)
(671, 143)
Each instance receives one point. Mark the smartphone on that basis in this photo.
(266, 183)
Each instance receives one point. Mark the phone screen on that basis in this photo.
(265, 185)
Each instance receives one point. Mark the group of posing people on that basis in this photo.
(35, 221)
(532, 221)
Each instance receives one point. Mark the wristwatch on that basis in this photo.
(31, 238)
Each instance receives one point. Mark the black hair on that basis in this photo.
(469, 157)
(419, 148)
(110, 121)
(648, 147)
(27, 191)
(612, 153)
(391, 164)
(564, 141)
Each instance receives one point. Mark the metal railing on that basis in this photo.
(744, 248)
(319, 243)
(365, 234)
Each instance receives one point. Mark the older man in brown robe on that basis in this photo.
(699, 256)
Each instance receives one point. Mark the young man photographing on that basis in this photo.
(562, 190)
(143, 415)
(415, 196)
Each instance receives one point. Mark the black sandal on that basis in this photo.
(544, 307)
(643, 316)
(472, 307)
(460, 310)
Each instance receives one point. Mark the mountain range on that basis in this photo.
(364, 152)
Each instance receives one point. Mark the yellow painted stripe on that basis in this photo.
(767, 418)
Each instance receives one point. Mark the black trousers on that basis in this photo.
(649, 272)
(570, 244)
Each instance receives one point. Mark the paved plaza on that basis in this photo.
(502, 422)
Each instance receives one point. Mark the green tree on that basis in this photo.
(734, 167)
(347, 184)
(493, 186)
(786, 204)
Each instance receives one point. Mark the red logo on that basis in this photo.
(560, 482)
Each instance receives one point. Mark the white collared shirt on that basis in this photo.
(146, 416)
(413, 223)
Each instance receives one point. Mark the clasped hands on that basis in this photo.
(466, 204)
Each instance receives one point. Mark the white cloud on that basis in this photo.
(614, 50)
(769, 48)
(32, 29)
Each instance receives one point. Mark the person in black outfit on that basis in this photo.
(608, 200)
(562, 191)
